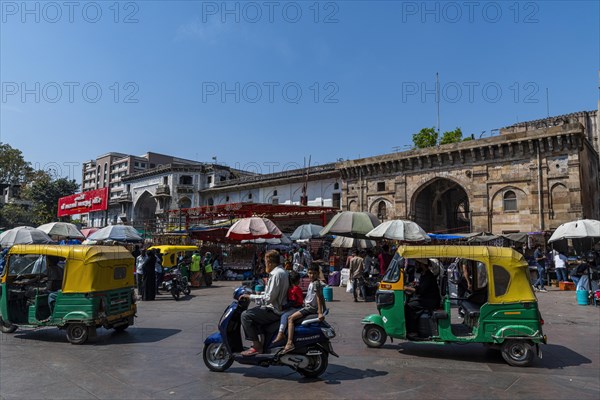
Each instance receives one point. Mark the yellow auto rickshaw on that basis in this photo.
(77, 288)
(501, 310)
(170, 253)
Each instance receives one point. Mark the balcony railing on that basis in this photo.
(163, 190)
(185, 188)
(125, 197)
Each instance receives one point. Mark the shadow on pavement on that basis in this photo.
(334, 375)
(553, 356)
(104, 336)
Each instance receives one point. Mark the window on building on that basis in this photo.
(152, 165)
(381, 211)
(274, 200)
(226, 198)
(336, 186)
(249, 196)
(222, 178)
(337, 200)
(275, 192)
(136, 164)
(128, 187)
(510, 201)
(209, 180)
(211, 201)
(143, 165)
(381, 186)
(165, 180)
(185, 180)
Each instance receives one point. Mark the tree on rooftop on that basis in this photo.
(427, 137)
(454, 136)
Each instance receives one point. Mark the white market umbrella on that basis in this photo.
(307, 231)
(24, 235)
(282, 240)
(117, 233)
(583, 228)
(351, 224)
(253, 228)
(62, 229)
(350, 243)
(399, 229)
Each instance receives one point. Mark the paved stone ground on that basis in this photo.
(160, 358)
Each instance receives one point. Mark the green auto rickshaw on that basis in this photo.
(76, 288)
(502, 312)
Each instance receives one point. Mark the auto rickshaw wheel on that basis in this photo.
(77, 333)
(374, 335)
(7, 327)
(518, 353)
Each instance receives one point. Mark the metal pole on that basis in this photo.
(540, 199)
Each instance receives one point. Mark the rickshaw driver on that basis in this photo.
(55, 277)
(427, 298)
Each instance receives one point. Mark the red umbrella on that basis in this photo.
(253, 228)
(88, 231)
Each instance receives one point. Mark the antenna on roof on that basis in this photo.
(437, 99)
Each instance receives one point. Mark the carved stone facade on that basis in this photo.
(527, 181)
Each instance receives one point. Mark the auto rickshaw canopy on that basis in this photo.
(87, 268)
(169, 253)
(507, 270)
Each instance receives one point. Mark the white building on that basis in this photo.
(323, 188)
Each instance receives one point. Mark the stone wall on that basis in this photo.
(428, 184)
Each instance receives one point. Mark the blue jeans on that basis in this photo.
(561, 274)
(283, 321)
(539, 283)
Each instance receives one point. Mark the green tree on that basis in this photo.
(14, 170)
(12, 215)
(454, 136)
(427, 137)
(44, 194)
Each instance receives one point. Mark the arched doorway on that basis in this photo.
(145, 208)
(442, 206)
(185, 202)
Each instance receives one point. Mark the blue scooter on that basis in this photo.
(311, 341)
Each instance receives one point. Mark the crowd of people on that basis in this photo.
(149, 271)
(580, 272)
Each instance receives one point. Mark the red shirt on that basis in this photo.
(295, 296)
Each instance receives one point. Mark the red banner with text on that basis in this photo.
(81, 203)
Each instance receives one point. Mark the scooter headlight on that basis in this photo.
(328, 332)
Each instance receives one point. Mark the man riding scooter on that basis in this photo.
(270, 302)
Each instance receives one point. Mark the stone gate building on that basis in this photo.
(526, 181)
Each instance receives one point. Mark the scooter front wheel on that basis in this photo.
(216, 357)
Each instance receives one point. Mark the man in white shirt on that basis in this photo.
(560, 264)
(273, 299)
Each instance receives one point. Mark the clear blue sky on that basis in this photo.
(366, 71)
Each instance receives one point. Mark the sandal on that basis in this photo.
(288, 348)
(250, 352)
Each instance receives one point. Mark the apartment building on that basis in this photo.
(108, 170)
